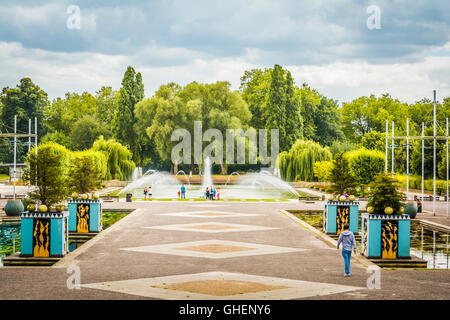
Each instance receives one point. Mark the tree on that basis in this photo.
(365, 165)
(384, 192)
(49, 171)
(327, 122)
(322, 170)
(62, 114)
(87, 170)
(275, 108)
(341, 175)
(294, 120)
(374, 140)
(85, 131)
(119, 163)
(27, 101)
(298, 163)
(131, 92)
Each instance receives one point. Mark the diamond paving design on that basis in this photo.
(223, 286)
(211, 227)
(210, 214)
(214, 249)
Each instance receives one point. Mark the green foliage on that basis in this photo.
(298, 163)
(131, 92)
(119, 163)
(341, 175)
(366, 114)
(27, 101)
(339, 146)
(87, 170)
(365, 165)
(374, 140)
(384, 192)
(48, 170)
(85, 131)
(322, 170)
(415, 182)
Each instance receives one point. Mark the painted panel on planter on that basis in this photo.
(57, 236)
(374, 237)
(364, 238)
(331, 221)
(354, 218)
(389, 239)
(83, 217)
(342, 217)
(26, 234)
(41, 237)
(404, 238)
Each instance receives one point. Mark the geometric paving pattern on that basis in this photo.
(221, 285)
(209, 214)
(214, 249)
(211, 227)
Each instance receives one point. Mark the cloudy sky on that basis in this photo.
(326, 43)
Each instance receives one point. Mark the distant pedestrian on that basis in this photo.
(348, 243)
(218, 194)
(214, 194)
(150, 193)
(207, 193)
(183, 192)
(145, 192)
(419, 205)
(179, 193)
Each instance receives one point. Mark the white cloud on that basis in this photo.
(58, 73)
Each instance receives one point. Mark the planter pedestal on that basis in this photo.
(385, 236)
(338, 213)
(85, 216)
(44, 234)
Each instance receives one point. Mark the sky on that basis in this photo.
(345, 49)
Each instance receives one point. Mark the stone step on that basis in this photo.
(414, 262)
(15, 260)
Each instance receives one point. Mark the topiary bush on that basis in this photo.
(384, 192)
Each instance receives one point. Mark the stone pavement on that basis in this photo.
(213, 250)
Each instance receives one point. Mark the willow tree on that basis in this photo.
(298, 163)
(119, 163)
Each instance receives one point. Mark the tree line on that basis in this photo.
(312, 127)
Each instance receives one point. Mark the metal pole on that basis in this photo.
(446, 133)
(407, 159)
(386, 148)
(434, 153)
(35, 152)
(423, 159)
(15, 157)
(393, 146)
(421, 243)
(29, 146)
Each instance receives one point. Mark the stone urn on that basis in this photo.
(14, 208)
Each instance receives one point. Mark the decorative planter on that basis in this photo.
(338, 213)
(14, 208)
(44, 234)
(385, 236)
(85, 216)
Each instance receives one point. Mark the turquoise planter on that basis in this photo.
(14, 208)
(44, 234)
(385, 236)
(85, 216)
(337, 213)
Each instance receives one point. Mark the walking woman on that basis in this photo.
(145, 192)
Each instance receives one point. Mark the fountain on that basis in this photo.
(207, 179)
(137, 173)
(185, 176)
(163, 185)
(229, 177)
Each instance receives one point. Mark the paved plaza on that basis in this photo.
(214, 250)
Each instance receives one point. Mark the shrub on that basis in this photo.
(48, 170)
(87, 170)
(384, 192)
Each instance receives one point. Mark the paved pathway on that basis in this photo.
(211, 250)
